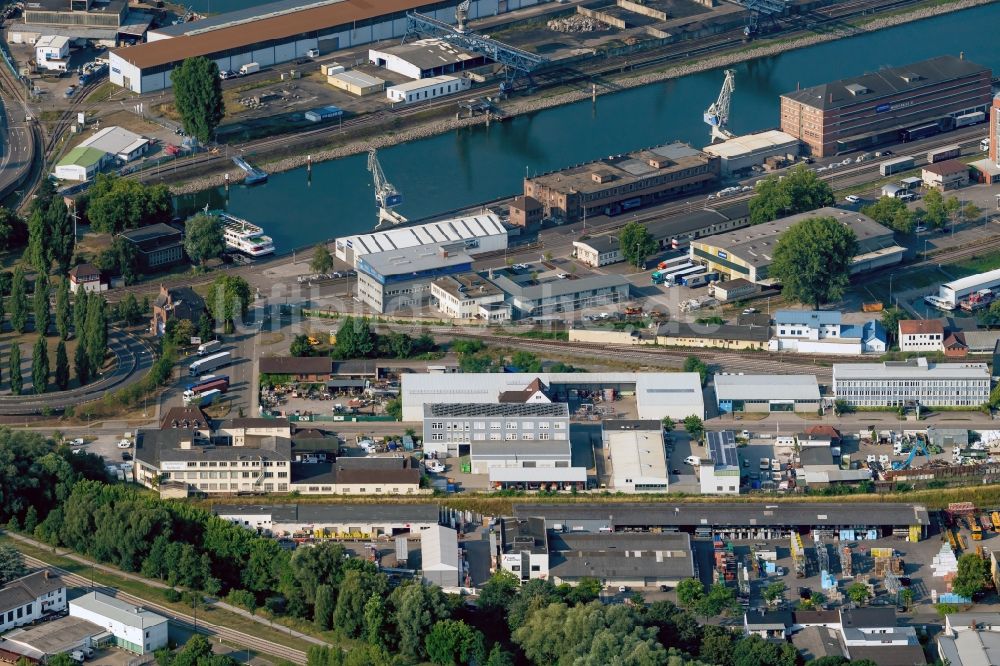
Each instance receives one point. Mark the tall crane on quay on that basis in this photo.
(717, 115)
(386, 194)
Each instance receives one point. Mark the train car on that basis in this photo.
(944, 153)
(968, 119)
(920, 132)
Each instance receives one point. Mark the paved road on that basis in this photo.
(133, 358)
(17, 145)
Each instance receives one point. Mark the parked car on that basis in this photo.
(920, 229)
(70, 90)
(77, 442)
(435, 466)
(694, 461)
(852, 198)
(126, 455)
(124, 444)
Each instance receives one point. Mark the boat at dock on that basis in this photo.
(254, 175)
(244, 236)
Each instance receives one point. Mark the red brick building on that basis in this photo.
(865, 111)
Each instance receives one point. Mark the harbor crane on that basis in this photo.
(717, 115)
(758, 8)
(386, 194)
(462, 15)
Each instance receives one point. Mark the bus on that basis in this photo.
(666, 276)
(687, 272)
(210, 363)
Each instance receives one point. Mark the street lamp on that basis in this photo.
(890, 288)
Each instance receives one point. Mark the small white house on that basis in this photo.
(134, 628)
(52, 53)
(119, 142)
(424, 89)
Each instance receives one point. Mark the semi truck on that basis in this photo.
(220, 384)
(206, 348)
(206, 398)
(209, 363)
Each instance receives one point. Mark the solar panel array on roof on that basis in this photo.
(722, 448)
(454, 230)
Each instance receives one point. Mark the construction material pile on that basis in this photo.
(576, 23)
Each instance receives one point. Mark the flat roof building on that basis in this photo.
(134, 628)
(637, 456)
(451, 428)
(657, 394)
(384, 519)
(915, 382)
(860, 112)
(425, 89)
(124, 145)
(766, 393)
(718, 336)
(545, 296)
(355, 82)
(630, 560)
(615, 184)
(740, 153)
(469, 297)
(80, 163)
(399, 279)
(721, 474)
(748, 252)
(735, 520)
(953, 292)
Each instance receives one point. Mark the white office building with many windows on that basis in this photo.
(451, 429)
(913, 382)
(134, 628)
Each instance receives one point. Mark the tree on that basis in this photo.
(890, 322)
(16, 381)
(37, 253)
(695, 364)
(13, 230)
(321, 262)
(198, 97)
(972, 577)
(498, 592)
(81, 365)
(689, 592)
(694, 426)
(62, 366)
(132, 312)
(63, 313)
(394, 408)
(858, 593)
(62, 240)
(114, 204)
(799, 191)
(812, 260)
(323, 608)
(717, 645)
(526, 362)
(43, 316)
(79, 313)
(499, 657)
(935, 213)
(40, 366)
(300, 346)
(892, 212)
(970, 212)
(668, 424)
(11, 564)
(203, 238)
(96, 333)
(228, 297)
(454, 642)
(355, 338)
(774, 592)
(374, 628)
(395, 345)
(18, 302)
(720, 599)
(352, 596)
(30, 519)
(417, 608)
(906, 596)
(636, 243)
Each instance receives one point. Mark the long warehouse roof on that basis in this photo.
(164, 51)
(453, 230)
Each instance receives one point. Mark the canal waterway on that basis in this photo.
(481, 163)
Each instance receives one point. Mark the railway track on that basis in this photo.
(180, 619)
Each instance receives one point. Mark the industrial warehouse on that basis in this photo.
(739, 521)
(747, 253)
(897, 103)
(276, 33)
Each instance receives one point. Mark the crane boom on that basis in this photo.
(386, 194)
(462, 14)
(717, 115)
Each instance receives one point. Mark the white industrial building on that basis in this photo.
(741, 153)
(26, 599)
(657, 394)
(52, 53)
(721, 474)
(277, 32)
(469, 296)
(451, 428)
(440, 557)
(124, 145)
(479, 233)
(766, 393)
(637, 456)
(823, 332)
(368, 519)
(954, 291)
(424, 58)
(912, 382)
(524, 548)
(425, 89)
(134, 628)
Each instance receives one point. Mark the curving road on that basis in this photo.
(133, 358)
(17, 145)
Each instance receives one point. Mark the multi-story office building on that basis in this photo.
(451, 428)
(623, 182)
(637, 456)
(398, 279)
(892, 104)
(912, 382)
